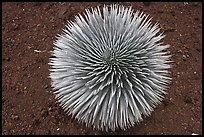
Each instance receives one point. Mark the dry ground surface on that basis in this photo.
(28, 106)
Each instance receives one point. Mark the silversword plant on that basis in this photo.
(109, 68)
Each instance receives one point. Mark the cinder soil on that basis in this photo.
(28, 107)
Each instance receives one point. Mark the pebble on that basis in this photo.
(178, 75)
(187, 56)
(38, 25)
(15, 117)
(16, 27)
(7, 59)
(29, 47)
(44, 113)
(185, 3)
(49, 109)
(179, 51)
(46, 86)
(184, 57)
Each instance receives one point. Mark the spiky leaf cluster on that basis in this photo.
(109, 68)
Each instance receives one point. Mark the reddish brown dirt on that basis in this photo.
(30, 108)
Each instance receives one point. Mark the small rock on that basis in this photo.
(185, 47)
(38, 25)
(19, 54)
(16, 27)
(46, 86)
(185, 3)
(29, 47)
(187, 56)
(44, 113)
(7, 59)
(184, 57)
(179, 51)
(54, 26)
(49, 109)
(178, 74)
(16, 18)
(15, 117)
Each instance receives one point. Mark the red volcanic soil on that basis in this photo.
(28, 106)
